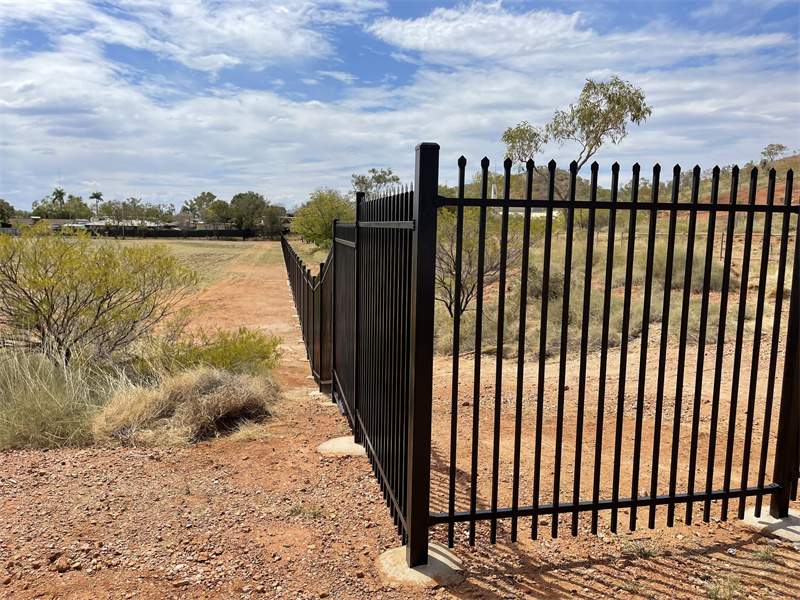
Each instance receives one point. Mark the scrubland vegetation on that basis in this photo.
(94, 348)
(598, 271)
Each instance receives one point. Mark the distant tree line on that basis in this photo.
(248, 211)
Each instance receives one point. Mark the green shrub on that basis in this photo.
(241, 351)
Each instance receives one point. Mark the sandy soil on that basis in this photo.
(272, 519)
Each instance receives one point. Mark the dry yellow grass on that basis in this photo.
(189, 407)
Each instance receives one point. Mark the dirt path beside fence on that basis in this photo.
(270, 518)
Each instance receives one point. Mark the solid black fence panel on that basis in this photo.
(344, 318)
(313, 297)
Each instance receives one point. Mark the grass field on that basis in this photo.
(214, 259)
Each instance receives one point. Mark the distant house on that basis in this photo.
(286, 222)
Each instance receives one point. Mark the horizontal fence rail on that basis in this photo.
(605, 358)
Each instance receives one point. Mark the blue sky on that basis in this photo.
(165, 99)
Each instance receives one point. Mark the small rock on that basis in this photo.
(181, 583)
(6, 580)
(324, 594)
(732, 551)
(61, 565)
(626, 563)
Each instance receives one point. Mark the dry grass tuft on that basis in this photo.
(47, 404)
(250, 431)
(189, 407)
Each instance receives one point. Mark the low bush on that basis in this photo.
(189, 407)
(241, 351)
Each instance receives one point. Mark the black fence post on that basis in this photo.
(309, 315)
(358, 438)
(316, 294)
(423, 249)
(787, 450)
(333, 305)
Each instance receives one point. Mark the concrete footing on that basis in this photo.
(786, 529)
(343, 446)
(444, 568)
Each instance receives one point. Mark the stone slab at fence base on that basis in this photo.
(443, 569)
(343, 446)
(787, 529)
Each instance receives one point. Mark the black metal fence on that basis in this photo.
(312, 297)
(599, 360)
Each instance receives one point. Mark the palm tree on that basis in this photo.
(58, 196)
(97, 197)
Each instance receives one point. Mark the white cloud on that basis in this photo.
(546, 40)
(347, 78)
(718, 8)
(201, 35)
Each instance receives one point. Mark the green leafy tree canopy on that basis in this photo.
(55, 207)
(314, 220)
(273, 220)
(248, 209)
(6, 212)
(197, 205)
(218, 213)
(601, 114)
